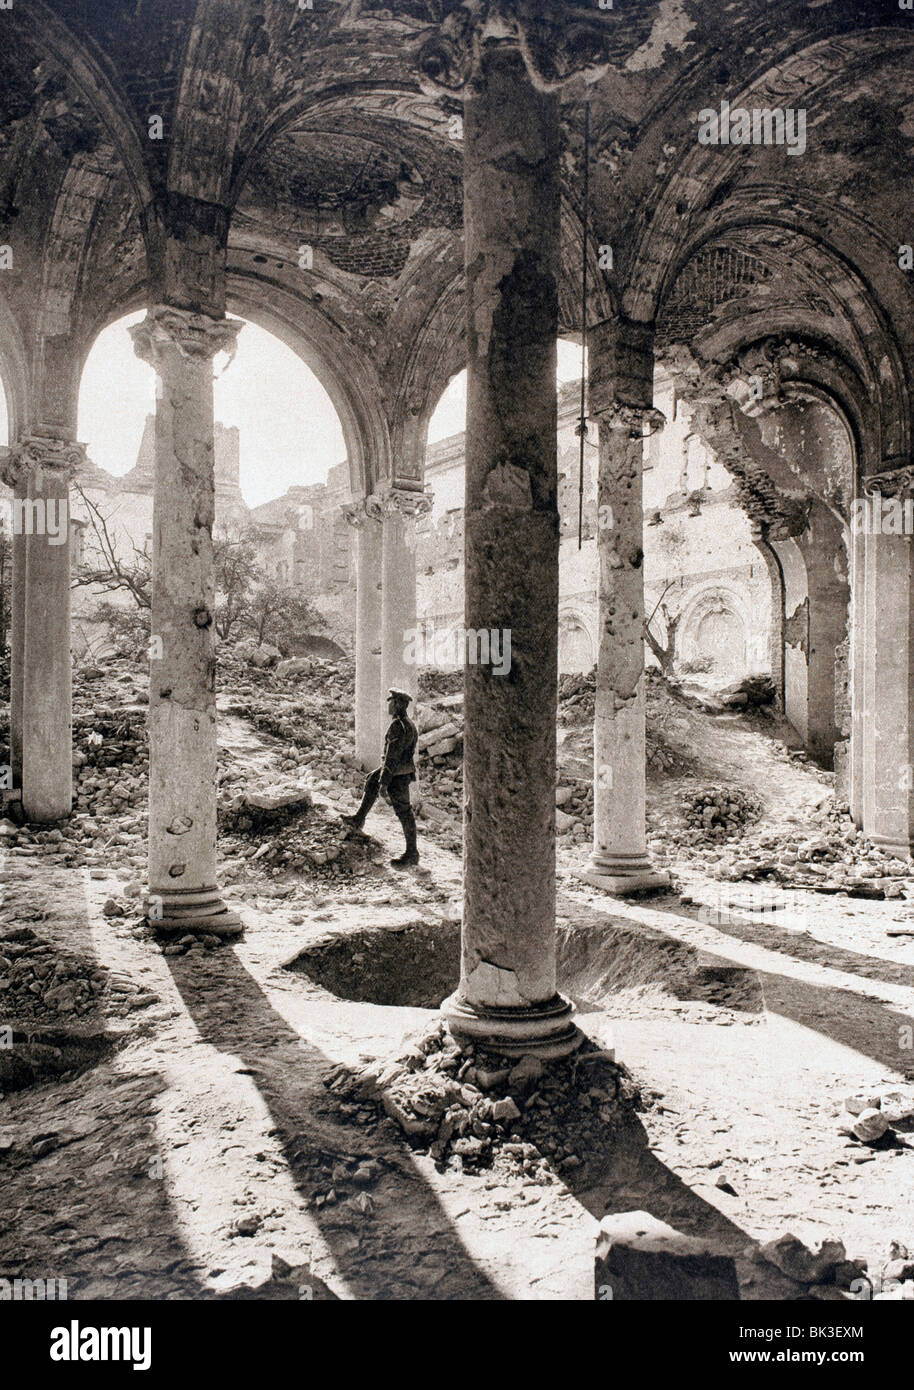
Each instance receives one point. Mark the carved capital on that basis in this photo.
(639, 421)
(36, 455)
(892, 482)
(358, 513)
(394, 500)
(195, 336)
(557, 42)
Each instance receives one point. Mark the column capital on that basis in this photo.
(393, 500)
(196, 336)
(358, 513)
(639, 421)
(555, 48)
(39, 453)
(897, 482)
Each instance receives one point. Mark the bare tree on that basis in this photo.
(665, 654)
(108, 570)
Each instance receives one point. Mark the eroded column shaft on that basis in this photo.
(888, 706)
(619, 734)
(858, 668)
(17, 633)
(369, 733)
(507, 992)
(43, 684)
(398, 597)
(182, 693)
(619, 862)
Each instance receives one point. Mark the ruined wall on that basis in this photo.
(302, 539)
(700, 557)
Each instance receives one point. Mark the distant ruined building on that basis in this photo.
(302, 537)
(703, 571)
(701, 565)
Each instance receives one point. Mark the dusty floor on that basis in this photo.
(204, 1156)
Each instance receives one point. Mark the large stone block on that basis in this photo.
(639, 1257)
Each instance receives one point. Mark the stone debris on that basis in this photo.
(828, 855)
(470, 1111)
(577, 697)
(41, 983)
(792, 1258)
(254, 812)
(720, 812)
(871, 1118)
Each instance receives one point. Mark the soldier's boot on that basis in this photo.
(411, 856)
(369, 797)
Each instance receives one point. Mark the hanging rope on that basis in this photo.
(582, 422)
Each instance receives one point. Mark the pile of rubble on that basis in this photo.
(471, 1109)
(44, 984)
(829, 854)
(720, 813)
(577, 698)
(440, 728)
(829, 1275)
(252, 812)
(433, 685)
(574, 809)
(751, 693)
(286, 833)
(824, 1275)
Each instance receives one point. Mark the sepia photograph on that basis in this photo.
(456, 672)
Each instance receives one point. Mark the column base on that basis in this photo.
(545, 1030)
(197, 910)
(622, 875)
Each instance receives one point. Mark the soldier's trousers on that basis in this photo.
(398, 791)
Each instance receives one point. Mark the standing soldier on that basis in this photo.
(394, 776)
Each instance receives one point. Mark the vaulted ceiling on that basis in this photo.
(316, 128)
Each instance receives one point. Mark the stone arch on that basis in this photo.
(339, 366)
(14, 371)
(577, 641)
(100, 92)
(715, 623)
(791, 76)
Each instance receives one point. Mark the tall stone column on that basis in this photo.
(507, 994)
(858, 667)
(888, 678)
(619, 862)
(822, 548)
(42, 688)
(15, 478)
(398, 510)
(182, 696)
(369, 732)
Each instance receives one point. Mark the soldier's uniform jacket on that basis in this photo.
(399, 748)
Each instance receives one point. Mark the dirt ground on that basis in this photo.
(196, 1144)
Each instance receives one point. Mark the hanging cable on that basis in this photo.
(582, 423)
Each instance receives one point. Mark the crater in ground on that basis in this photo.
(417, 965)
(33, 1055)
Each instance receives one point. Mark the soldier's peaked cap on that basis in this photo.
(401, 696)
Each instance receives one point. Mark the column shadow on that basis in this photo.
(406, 1248)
